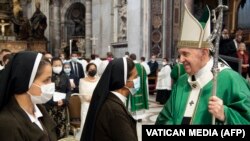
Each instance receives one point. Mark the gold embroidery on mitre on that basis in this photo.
(193, 33)
(194, 44)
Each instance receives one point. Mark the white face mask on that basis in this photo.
(57, 70)
(136, 87)
(74, 59)
(47, 93)
(164, 63)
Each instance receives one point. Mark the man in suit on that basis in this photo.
(231, 49)
(224, 40)
(232, 46)
(76, 67)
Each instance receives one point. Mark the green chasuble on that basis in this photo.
(139, 100)
(177, 71)
(232, 88)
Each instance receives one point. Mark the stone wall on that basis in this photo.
(16, 46)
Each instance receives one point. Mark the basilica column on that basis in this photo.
(146, 28)
(177, 12)
(55, 22)
(88, 28)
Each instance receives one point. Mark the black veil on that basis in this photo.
(113, 78)
(18, 75)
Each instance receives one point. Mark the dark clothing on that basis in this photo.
(153, 73)
(112, 79)
(15, 124)
(1, 73)
(59, 113)
(230, 49)
(77, 70)
(153, 68)
(163, 96)
(15, 77)
(62, 85)
(114, 122)
(223, 50)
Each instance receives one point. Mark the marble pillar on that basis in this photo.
(115, 18)
(167, 29)
(55, 22)
(103, 25)
(88, 27)
(177, 12)
(134, 27)
(146, 29)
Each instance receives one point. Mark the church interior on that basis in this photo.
(142, 27)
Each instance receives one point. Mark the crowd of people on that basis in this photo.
(71, 76)
(235, 47)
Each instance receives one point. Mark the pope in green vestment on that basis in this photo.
(192, 100)
(139, 100)
(232, 89)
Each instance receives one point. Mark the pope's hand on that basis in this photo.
(216, 108)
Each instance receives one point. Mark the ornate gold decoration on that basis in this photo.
(193, 44)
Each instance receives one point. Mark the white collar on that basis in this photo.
(206, 68)
(121, 97)
(37, 114)
(135, 61)
(203, 76)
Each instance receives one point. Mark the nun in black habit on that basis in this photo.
(107, 118)
(25, 84)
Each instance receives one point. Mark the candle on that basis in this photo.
(109, 50)
(70, 47)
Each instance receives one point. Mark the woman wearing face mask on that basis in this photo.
(57, 107)
(108, 118)
(86, 88)
(24, 86)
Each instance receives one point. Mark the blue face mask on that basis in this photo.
(67, 70)
(136, 87)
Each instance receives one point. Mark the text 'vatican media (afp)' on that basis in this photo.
(218, 132)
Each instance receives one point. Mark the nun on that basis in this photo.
(108, 118)
(25, 84)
